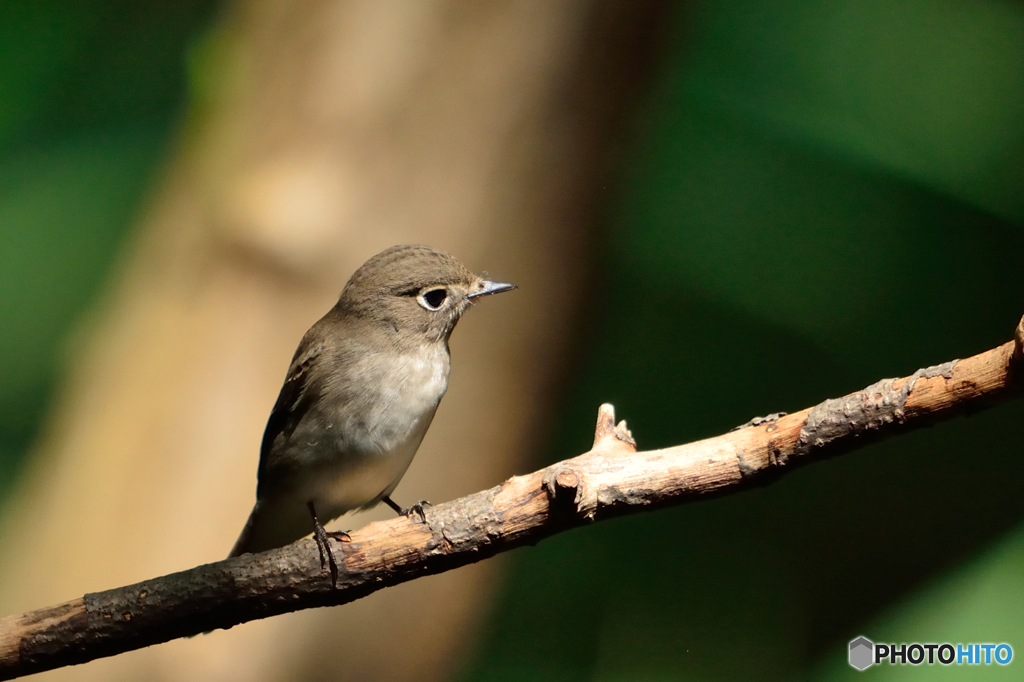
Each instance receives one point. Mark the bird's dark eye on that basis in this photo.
(433, 299)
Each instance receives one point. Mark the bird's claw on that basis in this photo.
(323, 544)
(326, 555)
(417, 509)
(339, 535)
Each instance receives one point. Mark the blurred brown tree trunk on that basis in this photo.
(321, 133)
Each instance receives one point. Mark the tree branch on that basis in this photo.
(610, 480)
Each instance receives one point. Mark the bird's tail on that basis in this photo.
(245, 539)
(272, 525)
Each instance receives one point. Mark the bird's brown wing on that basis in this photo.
(293, 401)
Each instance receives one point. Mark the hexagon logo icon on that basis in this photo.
(862, 653)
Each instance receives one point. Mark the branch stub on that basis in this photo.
(563, 487)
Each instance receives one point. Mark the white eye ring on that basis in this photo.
(433, 299)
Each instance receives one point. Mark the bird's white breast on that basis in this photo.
(375, 447)
(408, 394)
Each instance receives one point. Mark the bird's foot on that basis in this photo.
(323, 544)
(326, 555)
(416, 509)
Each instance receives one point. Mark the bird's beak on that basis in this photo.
(486, 287)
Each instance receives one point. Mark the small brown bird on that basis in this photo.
(359, 395)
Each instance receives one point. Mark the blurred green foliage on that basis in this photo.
(90, 94)
(818, 195)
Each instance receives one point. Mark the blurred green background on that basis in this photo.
(814, 196)
(90, 95)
